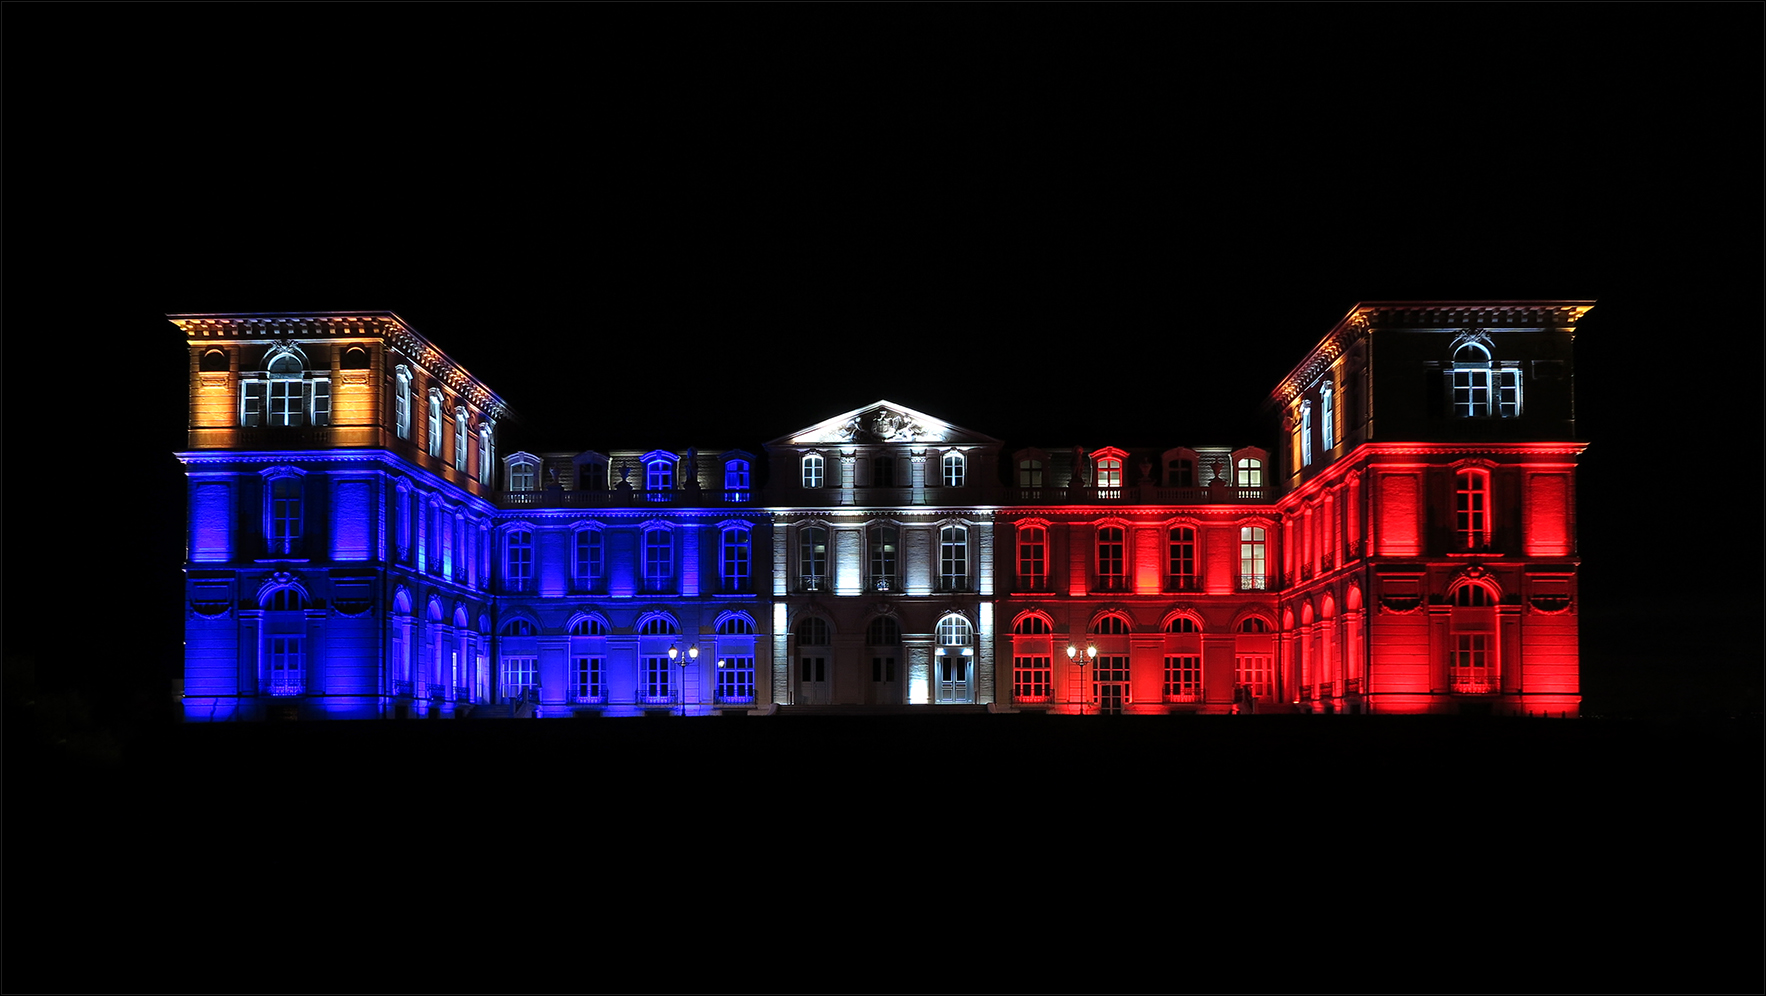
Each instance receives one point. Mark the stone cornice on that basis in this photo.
(384, 325)
(1456, 316)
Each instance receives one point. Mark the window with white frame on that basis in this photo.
(1033, 564)
(285, 393)
(461, 435)
(812, 470)
(435, 422)
(524, 473)
(954, 470)
(1306, 433)
(518, 561)
(285, 664)
(1328, 426)
(812, 557)
(1110, 472)
(590, 554)
(735, 559)
(1250, 472)
(1032, 678)
(1471, 520)
(285, 513)
(653, 679)
(737, 480)
(953, 558)
(1483, 387)
(659, 476)
(735, 679)
(1253, 563)
(487, 467)
(402, 402)
(884, 541)
(1256, 674)
(658, 559)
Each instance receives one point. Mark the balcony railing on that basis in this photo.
(1036, 583)
(884, 582)
(520, 586)
(1305, 572)
(657, 586)
(1253, 582)
(815, 582)
(1472, 686)
(1352, 550)
(1183, 582)
(1329, 561)
(1111, 582)
(683, 497)
(953, 582)
(594, 696)
(401, 688)
(462, 695)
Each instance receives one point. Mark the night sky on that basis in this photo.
(663, 226)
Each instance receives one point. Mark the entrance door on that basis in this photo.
(812, 680)
(1111, 685)
(953, 678)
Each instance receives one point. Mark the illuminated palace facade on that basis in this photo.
(360, 545)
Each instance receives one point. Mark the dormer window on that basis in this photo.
(524, 473)
(1483, 388)
(738, 478)
(954, 470)
(284, 393)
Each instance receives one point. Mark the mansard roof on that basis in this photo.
(308, 326)
(883, 422)
(1367, 316)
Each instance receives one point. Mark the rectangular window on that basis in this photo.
(321, 393)
(1251, 559)
(812, 669)
(654, 679)
(285, 516)
(658, 559)
(435, 423)
(882, 669)
(883, 542)
(1508, 393)
(287, 664)
(520, 561)
(251, 403)
(812, 471)
(883, 472)
(1471, 393)
(1183, 678)
(1181, 565)
(1110, 577)
(460, 435)
(588, 676)
(1032, 679)
(286, 398)
(1329, 424)
(953, 561)
(1472, 669)
(1032, 556)
(1306, 434)
(954, 470)
(1472, 511)
(520, 674)
(1254, 673)
(588, 556)
(735, 679)
(736, 560)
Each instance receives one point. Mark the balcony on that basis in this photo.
(953, 582)
(519, 586)
(1253, 582)
(619, 498)
(1111, 582)
(657, 586)
(883, 582)
(1140, 494)
(1183, 582)
(815, 582)
(1352, 550)
(462, 695)
(401, 688)
(1038, 583)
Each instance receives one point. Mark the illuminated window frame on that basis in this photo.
(588, 556)
(735, 557)
(402, 402)
(435, 422)
(1111, 547)
(1250, 472)
(813, 470)
(738, 480)
(1109, 472)
(953, 558)
(462, 435)
(523, 473)
(1471, 509)
(735, 679)
(521, 673)
(1033, 563)
(884, 541)
(1180, 558)
(1327, 424)
(955, 470)
(518, 560)
(1306, 433)
(588, 678)
(286, 393)
(1183, 677)
(658, 558)
(1253, 558)
(812, 556)
(487, 464)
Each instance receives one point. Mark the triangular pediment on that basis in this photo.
(883, 422)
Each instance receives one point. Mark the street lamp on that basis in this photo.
(1082, 658)
(692, 654)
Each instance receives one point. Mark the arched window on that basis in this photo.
(883, 631)
(955, 631)
(659, 625)
(285, 393)
(812, 470)
(1111, 625)
(284, 648)
(214, 361)
(518, 627)
(435, 422)
(524, 472)
(1180, 571)
(487, 466)
(659, 569)
(590, 557)
(884, 540)
(1471, 381)
(518, 561)
(588, 661)
(954, 470)
(954, 659)
(953, 559)
(1034, 624)
(402, 402)
(1181, 624)
(1033, 566)
(355, 358)
(1471, 520)
(1032, 659)
(1110, 558)
(736, 624)
(813, 631)
(588, 626)
(812, 557)
(734, 559)
(1473, 664)
(1254, 624)
(1252, 561)
(737, 480)
(1250, 473)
